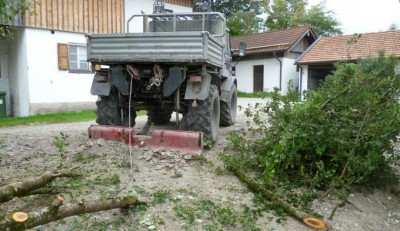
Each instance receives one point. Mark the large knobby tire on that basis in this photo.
(109, 113)
(205, 116)
(228, 109)
(160, 115)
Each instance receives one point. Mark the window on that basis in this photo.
(73, 57)
(77, 56)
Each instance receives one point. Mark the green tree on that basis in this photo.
(241, 23)
(285, 14)
(229, 7)
(393, 26)
(242, 15)
(323, 20)
(9, 9)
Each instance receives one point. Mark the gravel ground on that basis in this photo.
(191, 188)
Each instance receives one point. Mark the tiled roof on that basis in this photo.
(271, 41)
(352, 47)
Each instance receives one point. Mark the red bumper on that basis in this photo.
(182, 141)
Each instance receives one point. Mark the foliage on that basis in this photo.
(217, 216)
(341, 135)
(229, 7)
(323, 20)
(9, 9)
(60, 142)
(161, 196)
(242, 15)
(285, 14)
(393, 26)
(240, 23)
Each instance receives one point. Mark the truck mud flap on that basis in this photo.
(100, 85)
(181, 141)
(198, 87)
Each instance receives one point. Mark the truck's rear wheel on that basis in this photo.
(109, 113)
(205, 117)
(228, 109)
(160, 115)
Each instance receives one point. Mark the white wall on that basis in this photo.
(245, 73)
(289, 73)
(136, 6)
(304, 78)
(47, 84)
(18, 74)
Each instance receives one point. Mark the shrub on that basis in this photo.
(342, 134)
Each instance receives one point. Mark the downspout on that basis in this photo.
(280, 71)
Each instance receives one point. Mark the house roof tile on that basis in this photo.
(352, 47)
(272, 40)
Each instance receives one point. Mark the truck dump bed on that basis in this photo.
(150, 47)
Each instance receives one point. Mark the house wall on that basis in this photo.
(187, 3)
(87, 16)
(52, 89)
(304, 78)
(136, 6)
(245, 73)
(36, 85)
(289, 74)
(18, 74)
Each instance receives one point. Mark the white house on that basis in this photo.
(270, 58)
(318, 61)
(44, 68)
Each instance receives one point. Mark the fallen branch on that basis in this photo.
(21, 189)
(339, 205)
(289, 209)
(351, 153)
(57, 211)
(348, 202)
(44, 191)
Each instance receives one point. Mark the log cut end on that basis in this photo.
(314, 223)
(19, 216)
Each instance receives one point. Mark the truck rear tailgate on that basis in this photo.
(167, 47)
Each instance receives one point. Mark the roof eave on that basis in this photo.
(308, 49)
(236, 52)
(310, 30)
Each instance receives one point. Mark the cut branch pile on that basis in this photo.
(56, 210)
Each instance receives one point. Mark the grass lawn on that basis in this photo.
(86, 115)
(60, 117)
(253, 94)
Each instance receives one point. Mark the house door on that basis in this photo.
(258, 78)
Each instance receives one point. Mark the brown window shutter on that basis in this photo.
(63, 62)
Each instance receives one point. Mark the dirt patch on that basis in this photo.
(183, 193)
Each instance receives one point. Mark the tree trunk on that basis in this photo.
(56, 211)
